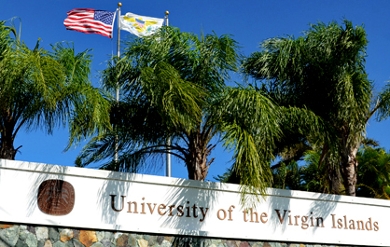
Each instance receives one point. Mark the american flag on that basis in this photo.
(90, 21)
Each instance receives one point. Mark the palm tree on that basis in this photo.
(323, 71)
(167, 83)
(374, 172)
(314, 174)
(287, 176)
(46, 89)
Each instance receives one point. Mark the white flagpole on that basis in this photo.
(168, 165)
(117, 87)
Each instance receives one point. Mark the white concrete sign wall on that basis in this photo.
(33, 193)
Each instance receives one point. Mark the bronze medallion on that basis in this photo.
(56, 197)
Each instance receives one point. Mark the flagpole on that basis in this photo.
(118, 43)
(168, 161)
(166, 18)
(117, 86)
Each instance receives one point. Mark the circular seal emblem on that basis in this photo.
(56, 197)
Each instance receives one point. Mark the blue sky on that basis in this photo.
(249, 22)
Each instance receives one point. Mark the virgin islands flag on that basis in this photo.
(139, 25)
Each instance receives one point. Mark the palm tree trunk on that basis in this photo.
(349, 170)
(197, 168)
(7, 150)
(336, 180)
(196, 160)
(7, 126)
